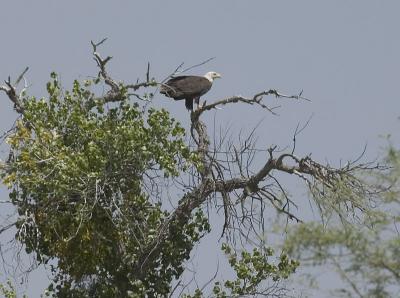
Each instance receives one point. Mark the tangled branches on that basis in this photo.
(80, 168)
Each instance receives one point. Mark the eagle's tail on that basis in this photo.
(189, 104)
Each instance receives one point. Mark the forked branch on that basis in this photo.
(255, 100)
(247, 185)
(11, 91)
(118, 92)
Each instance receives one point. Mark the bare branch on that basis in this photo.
(146, 84)
(21, 76)
(176, 71)
(305, 168)
(101, 63)
(299, 130)
(118, 91)
(256, 99)
(148, 72)
(173, 73)
(95, 45)
(11, 91)
(5, 228)
(197, 65)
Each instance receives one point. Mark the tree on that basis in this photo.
(365, 252)
(86, 174)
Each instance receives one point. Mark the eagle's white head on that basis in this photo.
(212, 75)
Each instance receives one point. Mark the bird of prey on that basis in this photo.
(189, 88)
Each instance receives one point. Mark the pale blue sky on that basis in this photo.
(343, 54)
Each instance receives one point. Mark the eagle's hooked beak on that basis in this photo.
(217, 76)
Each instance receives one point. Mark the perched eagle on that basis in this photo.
(189, 88)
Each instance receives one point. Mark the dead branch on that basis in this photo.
(101, 63)
(255, 100)
(246, 185)
(8, 226)
(151, 83)
(177, 69)
(11, 91)
(299, 130)
(117, 92)
(197, 65)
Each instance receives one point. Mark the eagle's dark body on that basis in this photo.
(189, 88)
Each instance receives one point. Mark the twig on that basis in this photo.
(197, 65)
(21, 76)
(176, 71)
(148, 72)
(299, 130)
(172, 74)
(5, 228)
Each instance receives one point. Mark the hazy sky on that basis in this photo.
(343, 54)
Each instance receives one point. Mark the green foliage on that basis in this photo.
(252, 269)
(77, 175)
(8, 290)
